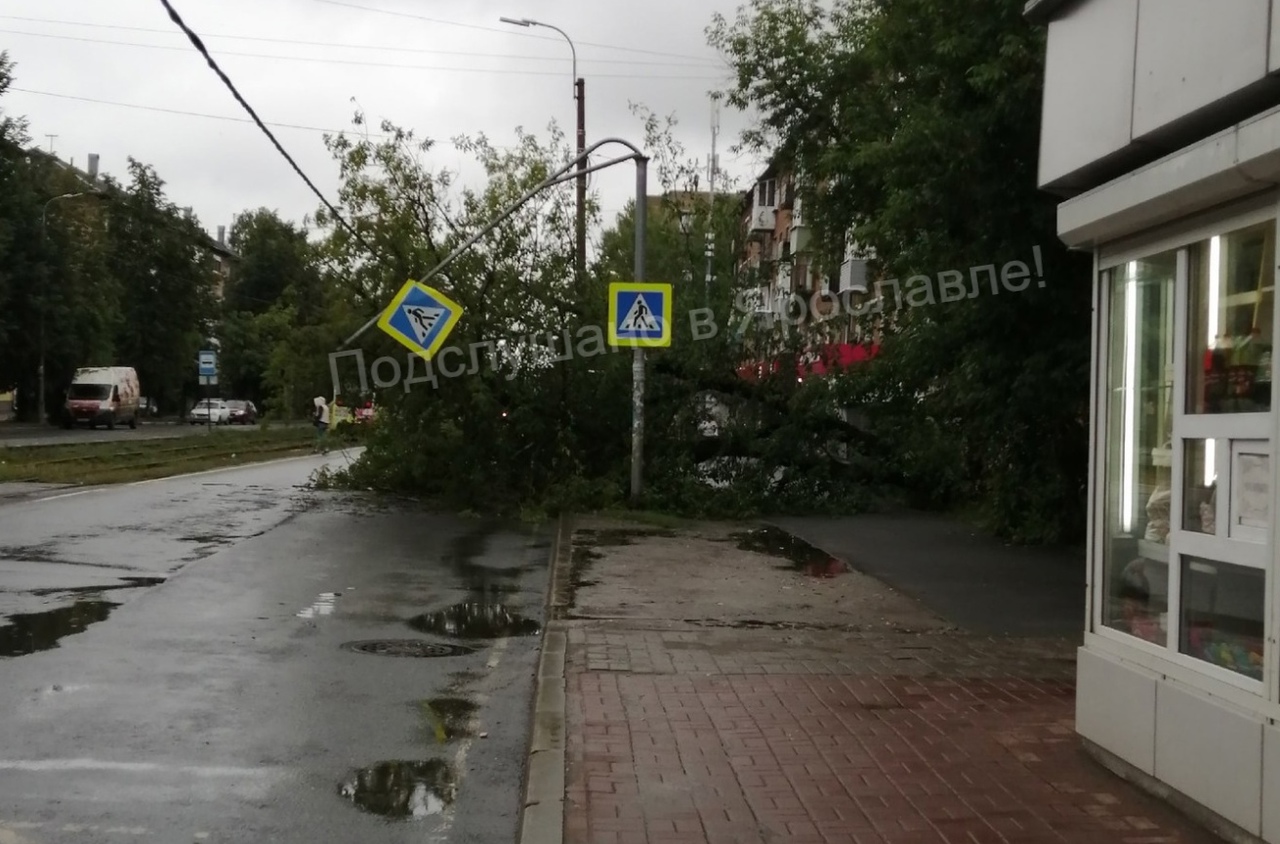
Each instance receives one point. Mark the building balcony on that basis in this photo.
(763, 218)
(799, 237)
(853, 276)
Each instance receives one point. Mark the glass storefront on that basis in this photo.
(1232, 299)
(1186, 548)
(1222, 615)
(1138, 491)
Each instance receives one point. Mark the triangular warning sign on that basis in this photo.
(422, 319)
(639, 317)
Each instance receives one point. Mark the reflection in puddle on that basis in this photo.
(448, 718)
(800, 555)
(402, 789)
(324, 605)
(476, 621)
(27, 633)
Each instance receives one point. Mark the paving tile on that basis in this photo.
(724, 736)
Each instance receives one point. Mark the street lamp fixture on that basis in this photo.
(528, 22)
(579, 94)
(44, 217)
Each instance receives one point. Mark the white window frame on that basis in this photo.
(1252, 695)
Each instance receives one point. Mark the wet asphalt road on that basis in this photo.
(221, 704)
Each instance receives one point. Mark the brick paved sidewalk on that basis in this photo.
(820, 729)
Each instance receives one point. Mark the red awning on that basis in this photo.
(831, 357)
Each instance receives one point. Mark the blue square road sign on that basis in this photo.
(640, 314)
(420, 318)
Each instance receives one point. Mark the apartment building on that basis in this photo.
(220, 258)
(785, 280)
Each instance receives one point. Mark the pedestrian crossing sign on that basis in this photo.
(639, 314)
(420, 318)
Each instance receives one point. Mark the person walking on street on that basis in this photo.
(321, 419)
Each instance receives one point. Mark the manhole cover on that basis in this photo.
(407, 647)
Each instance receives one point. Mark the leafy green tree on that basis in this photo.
(168, 287)
(57, 301)
(776, 438)
(273, 255)
(506, 434)
(915, 122)
(276, 285)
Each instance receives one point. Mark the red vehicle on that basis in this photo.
(242, 413)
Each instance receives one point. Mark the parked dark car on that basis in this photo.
(243, 413)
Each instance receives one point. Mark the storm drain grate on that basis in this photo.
(407, 648)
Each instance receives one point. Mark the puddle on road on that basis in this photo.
(27, 633)
(209, 538)
(402, 790)
(45, 553)
(476, 621)
(800, 555)
(466, 555)
(447, 718)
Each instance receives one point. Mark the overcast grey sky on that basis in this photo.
(460, 72)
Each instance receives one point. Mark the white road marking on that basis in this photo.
(68, 494)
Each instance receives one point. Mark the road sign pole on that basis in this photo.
(637, 361)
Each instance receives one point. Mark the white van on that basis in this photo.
(106, 395)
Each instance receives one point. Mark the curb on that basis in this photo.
(542, 821)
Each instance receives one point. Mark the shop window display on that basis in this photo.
(1140, 446)
(1232, 299)
(1223, 606)
(1199, 487)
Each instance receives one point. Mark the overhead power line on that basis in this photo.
(707, 62)
(354, 62)
(164, 110)
(226, 80)
(226, 117)
(505, 31)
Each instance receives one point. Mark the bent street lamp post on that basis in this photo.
(560, 176)
(579, 94)
(44, 237)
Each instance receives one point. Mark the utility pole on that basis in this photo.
(580, 94)
(637, 360)
(51, 138)
(711, 204)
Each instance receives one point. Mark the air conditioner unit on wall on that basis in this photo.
(853, 276)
